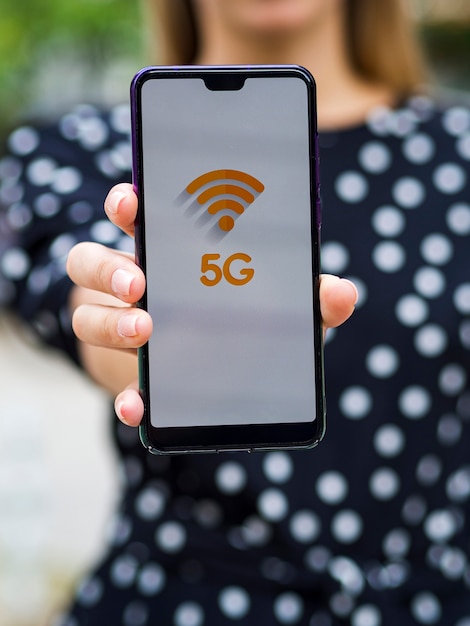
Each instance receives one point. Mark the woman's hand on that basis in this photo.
(109, 283)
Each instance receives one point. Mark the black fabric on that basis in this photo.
(371, 528)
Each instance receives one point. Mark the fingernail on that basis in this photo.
(121, 282)
(113, 201)
(119, 410)
(127, 325)
(356, 293)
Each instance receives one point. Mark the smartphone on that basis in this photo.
(225, 167)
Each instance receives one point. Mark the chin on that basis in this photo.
(271, 18)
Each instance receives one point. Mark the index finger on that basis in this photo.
(120, 206)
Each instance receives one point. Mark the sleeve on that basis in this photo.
(53, 181)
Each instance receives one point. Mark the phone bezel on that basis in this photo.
(248, 437)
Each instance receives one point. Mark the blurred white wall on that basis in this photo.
(58, 477)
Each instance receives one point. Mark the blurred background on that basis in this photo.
(57, 491)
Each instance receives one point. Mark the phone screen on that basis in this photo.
(229, 240)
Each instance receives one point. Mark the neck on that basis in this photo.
(343, 97)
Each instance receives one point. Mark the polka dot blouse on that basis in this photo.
(372, 528)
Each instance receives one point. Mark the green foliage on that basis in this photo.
(34, 33)
(448, 46)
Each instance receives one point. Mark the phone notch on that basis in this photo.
(224, 82)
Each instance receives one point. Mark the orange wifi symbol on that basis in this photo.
(220, 187)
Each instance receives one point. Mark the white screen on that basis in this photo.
(228, 353)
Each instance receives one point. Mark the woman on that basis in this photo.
(372, 527)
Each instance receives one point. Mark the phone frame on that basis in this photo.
(246, 437)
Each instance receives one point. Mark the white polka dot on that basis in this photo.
(119, 530)
(23, 140)
(384, 483)
(106, 165)
(351, 187)
(305, 526)
(135, 614)
(458, 485)
(278, 570)
(414, 509)
(121, 156)
(332, 487)
(47, 205)
(456, 120)
(428, 470)
(277, 467)
(426, 608)
(430, 340)
(18, 216)
(123, 571)
(39, 280)
(151, 579)
(170, 537)
(348, 574)
(61, 246)
(189, 614)
(103, 231)
(120, 118)
(389, 256)
(382, 361)
(80, 212)
(255, 531)
(273, 505)
(452, 379)
(234, 602)
(458, 219)
(318, 558)
(230, 477)
(429, 282)
(463, 146)
(90, 592)
(92, 132)
(341, 604)
(419, 148)
(453, 563)
(366, 615)
(15, 264)
(149, 503)
(462, 298)
(408, 192)
(378, 120)
(41, 171)
(66, 180)
(375, 157)
(411, 310)
(388, 221)
(288, 608)
(355, 402)
(396, 544)
(449, 178)
(464, 334)
(346, 526)
(335, 257)
(436, 249)
(440, 526)
(11, 191)
(449, 430)
(10, 168)
(402, 122)
(389, 440)
(414, 402)
(208, 513)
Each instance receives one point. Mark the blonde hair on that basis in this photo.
(383, 44)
